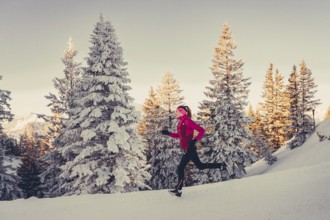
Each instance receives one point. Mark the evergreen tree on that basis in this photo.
(8, 182)
(254, 127)
(302, 110)
(275, 109)
(60, 106)
(12, 147)
(267, 106)
(250, 113)
(259, 142)
(165, 152)
(294, 93)
(30, 168)
(106, 156)
(308, 102)
(280, 122)
(5, 111)
(72, 73)
(164, 158)
(227, 135)
(49, 177)
(55, 122)
(294, 100)
(150, 121)
(327, 114)
(51, 158)
(169, 96)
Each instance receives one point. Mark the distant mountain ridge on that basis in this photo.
(16, 127)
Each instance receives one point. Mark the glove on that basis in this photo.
(165, 132)
(193, 142)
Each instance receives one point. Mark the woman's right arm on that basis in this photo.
(173, 135)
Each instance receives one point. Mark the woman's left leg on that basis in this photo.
(183, 163)
(202, 166)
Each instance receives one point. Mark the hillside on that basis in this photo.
(295, 187)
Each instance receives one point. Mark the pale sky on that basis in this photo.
(175, 35)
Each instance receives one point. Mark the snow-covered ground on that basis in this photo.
(297, 186)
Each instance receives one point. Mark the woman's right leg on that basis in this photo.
(183, 163)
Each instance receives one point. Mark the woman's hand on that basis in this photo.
(165, 132)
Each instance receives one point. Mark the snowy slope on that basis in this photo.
(312, 153)
(296, 187)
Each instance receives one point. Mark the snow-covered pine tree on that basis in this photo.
(255, 121)
(8, 182)
(250, 113)
(55, 122)
(60, 105)
(327, 114)
(280, 121)
(223, 114)
(49, 178)
(267, 106)
(294, 97)
(30, 167)
(255, 127)
(149, 125)
(169, 93)
(275, 109)
(108, 157)
(303, 107)
(13, 149)
(51, 157)
(151, 134)
(72, 72)
(308, 101)
(165, 152)
(294, 94)
(259, 140)
(5, 111)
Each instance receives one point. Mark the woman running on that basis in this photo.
(185, 132)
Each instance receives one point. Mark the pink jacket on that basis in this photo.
(185, 131)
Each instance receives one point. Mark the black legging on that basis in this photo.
(191, 155)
